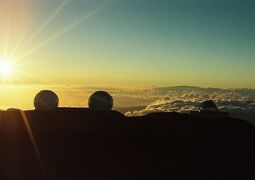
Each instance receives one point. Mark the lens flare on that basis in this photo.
(6, 69)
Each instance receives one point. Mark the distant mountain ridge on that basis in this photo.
(185, 88)
(242, 91)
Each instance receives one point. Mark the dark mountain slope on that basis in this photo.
(83, 144)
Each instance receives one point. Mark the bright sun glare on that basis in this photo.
(6, 68)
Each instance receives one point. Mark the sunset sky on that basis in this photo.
(128, 43)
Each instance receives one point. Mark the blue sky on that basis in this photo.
(148, 42)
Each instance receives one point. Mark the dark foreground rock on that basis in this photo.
(76, 144)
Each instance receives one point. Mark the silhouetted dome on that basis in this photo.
(46, 100)
(208, 106)
(101, 100)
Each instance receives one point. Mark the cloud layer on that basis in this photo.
(185, 99)
(239, 102)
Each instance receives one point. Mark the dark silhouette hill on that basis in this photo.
(83, 144)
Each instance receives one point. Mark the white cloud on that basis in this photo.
(240, 102)
(185, 99)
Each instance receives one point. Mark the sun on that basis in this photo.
(6, 68)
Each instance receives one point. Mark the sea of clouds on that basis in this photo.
(239, 103)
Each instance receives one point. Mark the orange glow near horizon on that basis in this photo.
(47, 44)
